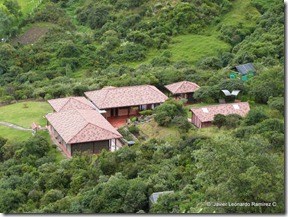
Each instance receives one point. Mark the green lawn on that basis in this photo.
(25, 113)
(194, 47)
(13, 134)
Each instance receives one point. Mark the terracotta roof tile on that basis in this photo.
(182, 87)
(70, 103)
(207, 113)
(76, 126)
(114, 97)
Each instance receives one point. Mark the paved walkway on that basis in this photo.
(15, 126)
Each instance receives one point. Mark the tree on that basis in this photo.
(13, 7)
(79, 90)
(36, 145)
(135, 198)
(182, 123)
(233, 120)
(6, 21)
(277, 103)
(69, 49)
(254, 116)
(2, 143)
(166, 112)
(207, 94)
(242, 170)
(219, 120)
(95, 15)
(51, 196)
(10, 200)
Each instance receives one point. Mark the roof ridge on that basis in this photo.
(78, 131)
(97, 126)
(181, 83)
(219, 105)
(104, 128)
(155, 89)
(69, 99)
(103, 100)
(89, 122)
(78, 110)
(129, 86)
(77, 99)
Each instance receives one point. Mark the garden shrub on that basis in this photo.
(254, 116)
(146, 112)
(134, 129)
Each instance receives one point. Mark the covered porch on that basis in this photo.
(120, 121)
(129, 111)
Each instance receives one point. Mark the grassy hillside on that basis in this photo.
(192, 48)
(242, 12)
(27, 6)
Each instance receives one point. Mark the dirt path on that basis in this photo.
(15, 126)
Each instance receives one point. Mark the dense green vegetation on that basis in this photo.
(128, 48)
(244, 165)
(92, 44)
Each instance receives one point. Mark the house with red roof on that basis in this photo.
(79, 130)
(70, 103)
(183, 89)
(125, 101)
(203, 116)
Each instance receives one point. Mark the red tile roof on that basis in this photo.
(114, 97)
(182, 87)
(76, 126)
(69, 103)
(207, 113)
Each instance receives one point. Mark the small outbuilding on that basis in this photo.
(245, 68)
(183, 89)
(203, 116)
(154, 197)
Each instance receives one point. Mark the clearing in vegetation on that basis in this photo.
(242, 12)
(25, 113)
(194, 47)
(31, 35)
